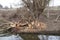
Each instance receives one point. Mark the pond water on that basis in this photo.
(12, 37)
(41, 37)
(48, 37)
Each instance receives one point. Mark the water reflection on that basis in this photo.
(41, 37)
(12, 37)
(46, 37)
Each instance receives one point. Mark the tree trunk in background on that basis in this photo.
(36, 6)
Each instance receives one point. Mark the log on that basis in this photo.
(41, 28)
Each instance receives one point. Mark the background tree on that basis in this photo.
(6, 7)
(36, 6)
(1, 6)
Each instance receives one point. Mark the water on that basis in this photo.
(12, 37)
(41, 37)
(46, 37)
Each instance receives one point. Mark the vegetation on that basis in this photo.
(33, 9)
